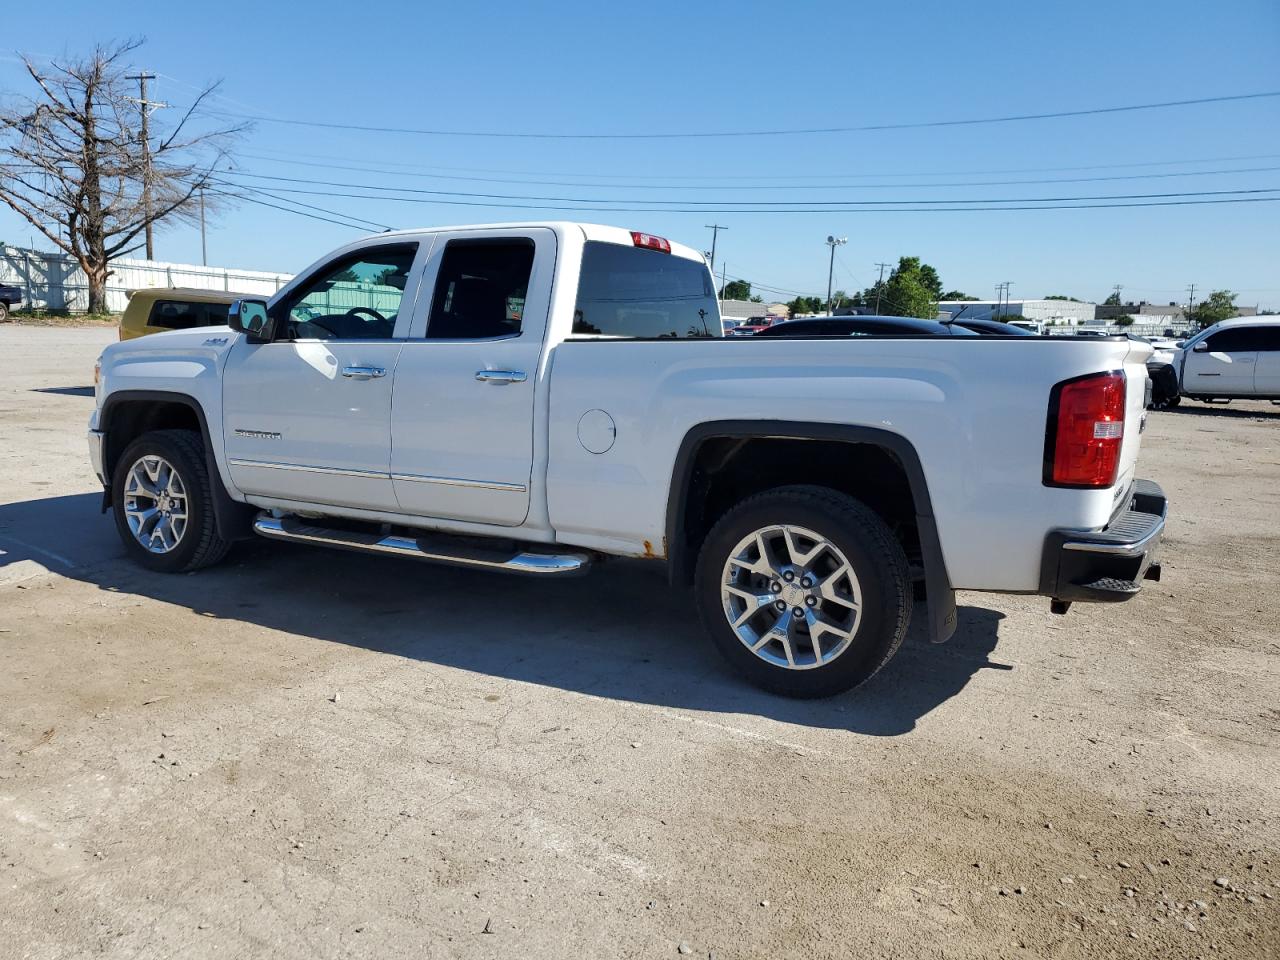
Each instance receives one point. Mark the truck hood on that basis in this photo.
(203, 340)
(181, 361)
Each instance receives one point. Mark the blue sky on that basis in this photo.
(682, 67)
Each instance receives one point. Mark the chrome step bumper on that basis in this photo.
(435, 548)
(1109, 565)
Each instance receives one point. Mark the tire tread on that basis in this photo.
(867, 523)
(210, 547)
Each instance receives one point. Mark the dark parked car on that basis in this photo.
(8, 297)
(864, 327)
(991, 328)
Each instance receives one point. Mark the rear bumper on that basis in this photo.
(1108, 565)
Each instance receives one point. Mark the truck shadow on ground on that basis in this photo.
(66, 391)
(620, 632)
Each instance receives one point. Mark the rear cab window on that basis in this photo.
(182, 315)
(634, 293)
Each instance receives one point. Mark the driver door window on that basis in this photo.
(357, 298)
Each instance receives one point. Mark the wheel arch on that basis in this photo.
(128, 414)
(725, 438)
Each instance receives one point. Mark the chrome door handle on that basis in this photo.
(501, 376)
(364, 373)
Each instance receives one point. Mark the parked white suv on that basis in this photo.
(1232, 360)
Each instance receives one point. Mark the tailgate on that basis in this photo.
(1135, 414)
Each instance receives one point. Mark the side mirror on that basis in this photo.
(1201, 347)
(250, 317)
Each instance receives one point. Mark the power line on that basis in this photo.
(713, 205)
(274, 206)
(597, 182)
(780, 210)
(275, 156)
(264, 193)
(865, 128)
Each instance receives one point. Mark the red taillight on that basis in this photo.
(650, 242)
(1086, 428)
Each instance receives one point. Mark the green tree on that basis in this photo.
(1060, 296)
(956, 295)
(737, 290)
(932, 282)
(756, 298)
(805, 305)
(1112, 301)
(1123, 321)
(910, 291)
(1219, 305)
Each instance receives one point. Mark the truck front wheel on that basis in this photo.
(163, 503)
(804, 590)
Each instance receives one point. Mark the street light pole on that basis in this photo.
(832, 242)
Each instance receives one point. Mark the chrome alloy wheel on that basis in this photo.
(155, 504)
(791, 597)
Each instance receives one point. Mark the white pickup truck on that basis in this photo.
(536, 397)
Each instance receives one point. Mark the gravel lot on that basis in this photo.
(315, 754)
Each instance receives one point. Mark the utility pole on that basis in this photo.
(832, 242)
(1007, 285)
(715, 229)
(879, 284)
(1116, 290)
(146, 106)
(999, 300)
(724, 268)
(204, 250)
(1191, 300)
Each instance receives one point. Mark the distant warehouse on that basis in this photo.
(1053, 312)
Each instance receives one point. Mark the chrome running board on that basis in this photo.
(436, 548)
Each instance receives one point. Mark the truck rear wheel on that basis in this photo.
(163, 503)
(804, 590)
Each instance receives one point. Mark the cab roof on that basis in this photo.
(590, 231)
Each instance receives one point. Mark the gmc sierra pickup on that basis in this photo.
(536, 397)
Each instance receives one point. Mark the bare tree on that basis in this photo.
(73, 162)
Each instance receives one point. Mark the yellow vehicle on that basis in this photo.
(174, 308)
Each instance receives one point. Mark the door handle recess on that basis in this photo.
(501, 376)
(364, 373)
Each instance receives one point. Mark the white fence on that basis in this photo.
(54, 281)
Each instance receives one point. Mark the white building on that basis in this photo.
(1048, 312)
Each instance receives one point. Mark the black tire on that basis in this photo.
(200, 545)
(4, 311)
(1172, 402)
(871, 550)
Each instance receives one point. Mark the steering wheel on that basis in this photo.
(370, 311)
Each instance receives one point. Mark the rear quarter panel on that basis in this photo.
(974, 409)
